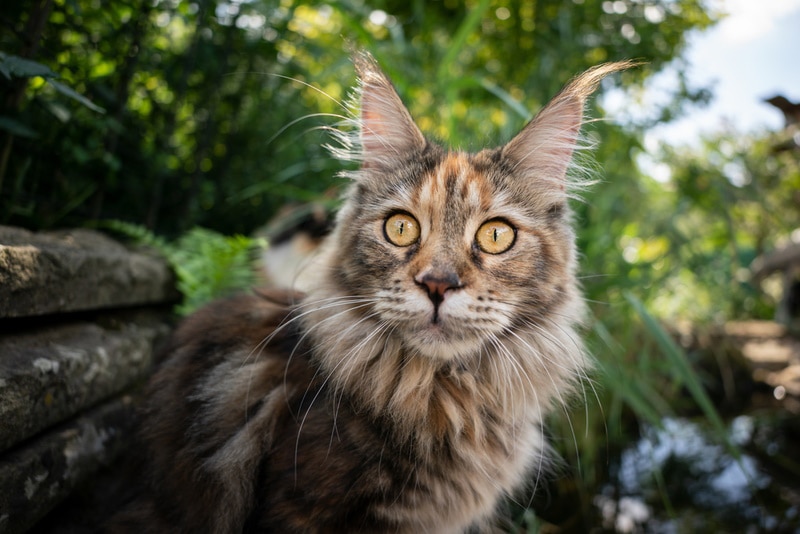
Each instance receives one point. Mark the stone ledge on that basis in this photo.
(50, 373)
(73, 270)
(35, 478)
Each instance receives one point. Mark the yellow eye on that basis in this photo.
(401, 229)
(495, 236)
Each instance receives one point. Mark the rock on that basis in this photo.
(72, 270)
(80, 315)
(51, 372)
(34, 479)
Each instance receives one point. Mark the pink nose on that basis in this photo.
(436, 284)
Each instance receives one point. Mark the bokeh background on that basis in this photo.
(189, 123)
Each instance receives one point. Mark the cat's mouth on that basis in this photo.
(441, 324)
(442, 336)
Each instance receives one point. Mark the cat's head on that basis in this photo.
(451, 252)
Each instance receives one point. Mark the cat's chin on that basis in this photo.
(436, 343)
(446, 337)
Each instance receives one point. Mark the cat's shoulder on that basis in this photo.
(244, 319)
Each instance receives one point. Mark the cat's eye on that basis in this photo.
(401, 229)
(495, 236)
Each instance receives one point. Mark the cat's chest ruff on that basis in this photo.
(458, 459)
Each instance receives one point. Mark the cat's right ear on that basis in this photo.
(387, 130)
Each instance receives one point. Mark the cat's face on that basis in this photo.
(451, 254)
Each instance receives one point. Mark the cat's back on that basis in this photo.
(242, 433)
(228, 382)
(231, 352)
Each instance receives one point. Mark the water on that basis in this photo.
(679, 479)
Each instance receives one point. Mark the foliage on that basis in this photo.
(195, 93)
(732, 199)
(207, 264)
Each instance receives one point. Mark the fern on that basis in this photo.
(207, 264)
(137, 233)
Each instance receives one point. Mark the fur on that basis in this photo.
(406, 391)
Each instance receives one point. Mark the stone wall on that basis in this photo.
(80, 315)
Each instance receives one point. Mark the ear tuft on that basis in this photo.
(543, 150)
(387, 130)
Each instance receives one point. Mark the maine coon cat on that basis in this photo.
(405, 392)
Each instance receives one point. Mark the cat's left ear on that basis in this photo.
(543, 149)
(387, 130)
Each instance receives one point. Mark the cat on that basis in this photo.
(406, 390)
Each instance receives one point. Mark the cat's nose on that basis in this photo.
(438, 283)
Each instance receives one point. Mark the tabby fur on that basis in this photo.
(406, 390)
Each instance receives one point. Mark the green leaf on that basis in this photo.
(14, 127)
(138, 233)
(71, 93)
(58, 110)
(24, 68)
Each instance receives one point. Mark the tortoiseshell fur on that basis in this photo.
(405, 390)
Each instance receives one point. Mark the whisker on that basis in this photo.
(324, 383)
(309, 86)
(301, 119)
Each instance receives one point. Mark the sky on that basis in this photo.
(752, 54)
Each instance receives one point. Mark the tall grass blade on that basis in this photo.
(683, 372)
(460, 38)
